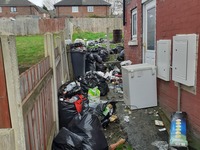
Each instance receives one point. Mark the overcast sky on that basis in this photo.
(37, 2)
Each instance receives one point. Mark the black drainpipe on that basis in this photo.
(124, 20)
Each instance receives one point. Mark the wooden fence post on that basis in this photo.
(13, 86)
(49, 51)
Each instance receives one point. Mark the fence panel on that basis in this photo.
(4, 108)
(36, 91)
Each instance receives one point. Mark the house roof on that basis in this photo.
(82, 3)
(15, 3)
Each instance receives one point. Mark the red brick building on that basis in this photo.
(148, 21)
(82, 8)
(14, 8)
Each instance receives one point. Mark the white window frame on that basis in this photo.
(133, 34)
(13, 9)
(0, 9)
(90, 8)
(74, 9)
(134, 13)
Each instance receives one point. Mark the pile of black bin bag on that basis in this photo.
(91, 80)
(80, 127)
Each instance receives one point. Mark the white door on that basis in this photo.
(149, 31)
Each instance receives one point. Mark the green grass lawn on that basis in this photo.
(30, 49)
(89, 35)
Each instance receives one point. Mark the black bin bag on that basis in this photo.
(89, 127)
(83, 133)
(67, 140)
(67, 111)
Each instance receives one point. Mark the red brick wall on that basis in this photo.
(133, 53)
(172, 17)
(20, 11)
(179, 17)
(67, 11)
(51, 25)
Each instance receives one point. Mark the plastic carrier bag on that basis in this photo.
(94, 95)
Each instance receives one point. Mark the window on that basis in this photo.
(134, 24)
(90, 9)
(0, 9)
(133, 28)
(13, 9)
(75, 9)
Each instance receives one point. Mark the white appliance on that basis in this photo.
(139, 86)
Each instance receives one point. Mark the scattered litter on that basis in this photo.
(159, 123)
(162, 129)
(126, 118)
(162, 145)
(126, 63)
(150, 112)
(113, 118)
(129, 112)
(178, 133)
(115, 145)
(94, 96)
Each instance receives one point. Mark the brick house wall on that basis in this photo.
(133, 53)
(67, 11)
(172, 17)
(179, 17)
(20, 11)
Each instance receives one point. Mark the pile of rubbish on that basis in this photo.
(79, 126)
(82, 113)
(95, 55)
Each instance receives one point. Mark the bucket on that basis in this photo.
(117, 35)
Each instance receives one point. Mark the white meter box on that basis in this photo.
(163, 59)
(139, 85)
(184, 59)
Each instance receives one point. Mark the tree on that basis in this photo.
(50, 3)
(45, 8)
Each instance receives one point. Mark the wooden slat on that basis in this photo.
(4, 107)
(30, 100)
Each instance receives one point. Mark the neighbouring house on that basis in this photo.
(82, 8)
(16, 8)
(166, 33)
(42, 12)
(116, 7)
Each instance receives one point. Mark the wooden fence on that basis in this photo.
(32, 96)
